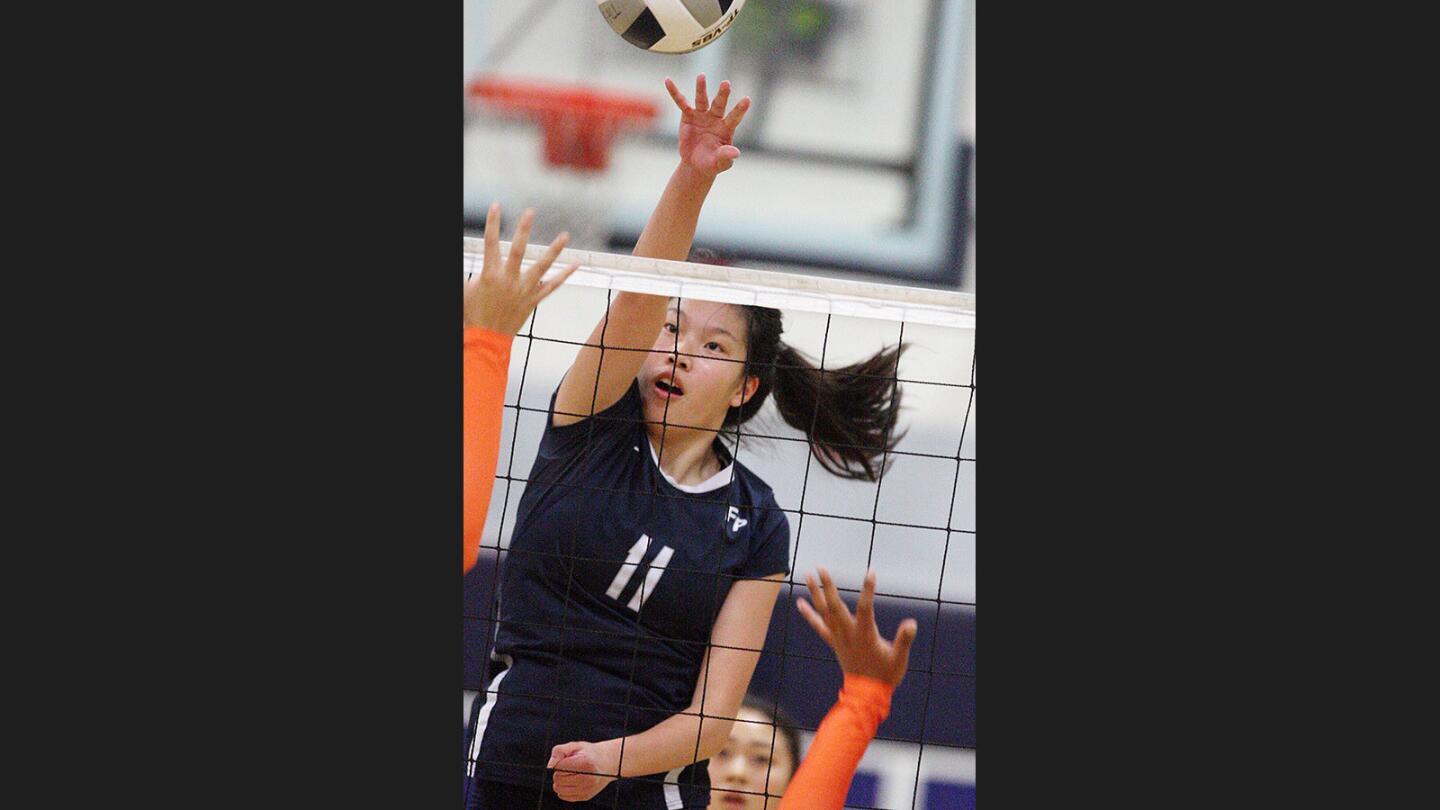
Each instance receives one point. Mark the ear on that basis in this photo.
(745, 390)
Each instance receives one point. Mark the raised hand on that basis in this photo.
(855, 639)
(500, 297)
(706, 131)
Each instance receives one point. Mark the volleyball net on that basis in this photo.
(914, 525)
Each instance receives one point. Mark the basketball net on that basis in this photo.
(551, 145)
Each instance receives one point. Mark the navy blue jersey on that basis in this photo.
(608, 594)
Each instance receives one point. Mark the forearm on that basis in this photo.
(628, 330)
(486, 367)
(670, 744)
(600, 376)
(671, 229)
(685, 737)
(825, 774)
(633, 321)
(627, 333)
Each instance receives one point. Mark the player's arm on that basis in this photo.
(873, 668)
(824, 776)
(606, 365)
(487, 363)
(498, 299)
(700, 731)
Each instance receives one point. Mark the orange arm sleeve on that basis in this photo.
(487, 364)
(825, 774)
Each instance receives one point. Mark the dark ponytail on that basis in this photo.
(848, 414)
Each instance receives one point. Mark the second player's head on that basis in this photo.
(759, 758)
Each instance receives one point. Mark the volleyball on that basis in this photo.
(670, 26)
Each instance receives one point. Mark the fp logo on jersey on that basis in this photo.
(735, 521)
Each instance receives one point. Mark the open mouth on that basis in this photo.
(668, 388)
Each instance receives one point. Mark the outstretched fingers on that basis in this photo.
(519, 241)
(492, 239)
(717, 107)
(702, 99)
(904, 637)
(816, 596)
(738, 114)
(839, 612)
(677, 96)
(900, 650)
(531, 278)
(865, 608)
(549, 286)
(813, 619)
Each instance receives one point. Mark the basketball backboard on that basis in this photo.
(855, 154)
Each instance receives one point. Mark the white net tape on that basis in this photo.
(737, 285)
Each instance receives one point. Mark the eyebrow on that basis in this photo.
(719, 329)
(765, 744)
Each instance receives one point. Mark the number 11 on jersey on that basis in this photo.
(631, 565)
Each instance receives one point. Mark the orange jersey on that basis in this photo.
(825, 774)
(486, 367)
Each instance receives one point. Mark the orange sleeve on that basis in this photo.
(825, 774)
(487, 364)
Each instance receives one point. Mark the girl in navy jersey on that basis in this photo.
(645, 561)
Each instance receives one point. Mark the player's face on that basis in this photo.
(754, 751)
(705, 380)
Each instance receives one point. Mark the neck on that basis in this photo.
(687, 455)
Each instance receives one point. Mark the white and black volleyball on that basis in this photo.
(670, 26)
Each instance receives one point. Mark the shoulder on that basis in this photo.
(616, 424)
(752, 494)
(753, 487)
(627, 407)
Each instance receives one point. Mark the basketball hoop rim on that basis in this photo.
(579, 122)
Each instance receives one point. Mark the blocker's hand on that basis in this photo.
(855, 639)
(706, 131)
(500, 297)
